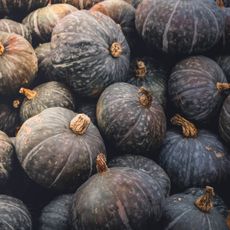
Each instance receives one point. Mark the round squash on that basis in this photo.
(193, 158)
(224, 62)
(187, 211)
(224, 120)
(56, 214)
(180, 27)
(150, 74)
(10, 26)
(18, 63)
(46, 95)
(196, 87)
(80, 4)
(145, 165)
(42, 21)
(57, 148)
(117, 198)
(94, 55)
(14, 214)
(131, 119)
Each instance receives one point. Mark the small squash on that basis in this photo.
(57, 148)
(117, 198)
(46, 95)
(186, 211)
(131, 119)
(18, 63)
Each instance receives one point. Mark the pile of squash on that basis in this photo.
(114, 115)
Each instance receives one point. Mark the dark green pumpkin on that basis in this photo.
(10, 26)
(186, 211)
(46, 95)
(224, 62)
(56, 214)
(57, 148)
(145, 165)
(94, 55)
(18, 63)
(131, 119)
(195, 88)
(117, 198)
(224, 121)
(180, 27)
(150, 74)
(42, 21)
(14, 214)
(193, 158)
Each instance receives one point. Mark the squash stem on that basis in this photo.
(222, 86)
(30, 94)
(2, 49)
(141, 69)
(188, 128)
(145, 97)
(101, 163)
(220, 3)
(16, 103)
(80, 123)
(116, 49)
(204, 202)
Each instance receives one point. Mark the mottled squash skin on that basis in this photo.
(224, 62)
(194, 162)
(179, 212)
(145, 165)
(52, 154)
(120, 198)
(50, 94)
(224, 121)
(85, 59)
(18, 63)
(126, 123)
(56, 214)
(14, 214)
(180, 27)
(192, 88)
(80, 4)
(42, 21)
(10, 26)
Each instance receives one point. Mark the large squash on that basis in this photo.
(224, 62)
(94, 55)
(80, 4)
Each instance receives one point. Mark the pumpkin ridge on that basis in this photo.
(101, 163)
(80, 123)
(2, 48)
(5, 222)
(90, 158)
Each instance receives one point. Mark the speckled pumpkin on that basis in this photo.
(46, 95)
(94, 55)
(196, 87)
(117, 198)
(224, 120)
(151, 74)
(18, 63)
(193, 158)
(6, 158)
(180, 27)
(56, 214)
(57, 148)
(42, 21)
(224, 62)
(186, 211)
(10, 26)
(145, 165)
(14, 214)
(132, 119)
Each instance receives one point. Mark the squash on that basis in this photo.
(180, 27)
(14, 214)
(56, 214)
(18, 63)
(10, 26)
(145, 165)
(46, 95)
(134, 3)
(117, 198)
(80, 4)
(57, 148)
(131, 119)
(94, 55)
(186, 211)
(223, 61)
(193, 158)
(224, 121)
(196, 88)
(42, 21)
